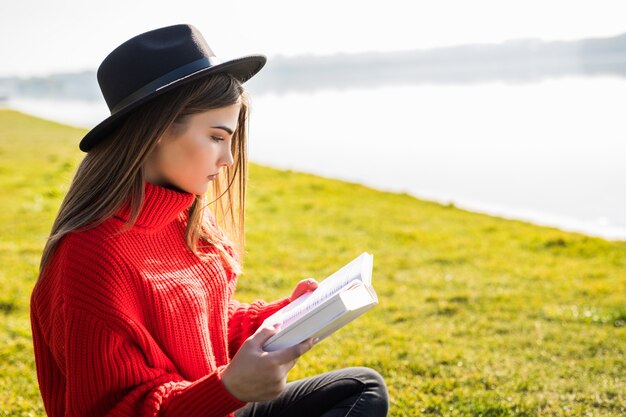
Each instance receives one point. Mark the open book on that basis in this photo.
(339, 299)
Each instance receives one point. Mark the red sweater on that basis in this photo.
(134, 324)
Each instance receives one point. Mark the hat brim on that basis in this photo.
(242, 69)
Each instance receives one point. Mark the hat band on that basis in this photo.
(165, 80)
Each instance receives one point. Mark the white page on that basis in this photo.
(354, 270)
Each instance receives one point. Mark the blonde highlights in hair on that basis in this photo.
(112, 175)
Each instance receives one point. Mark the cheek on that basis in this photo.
(192, 158)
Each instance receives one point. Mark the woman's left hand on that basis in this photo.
(303, 287)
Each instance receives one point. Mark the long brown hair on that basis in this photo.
(112, 174)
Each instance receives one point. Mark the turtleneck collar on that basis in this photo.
(160, 207)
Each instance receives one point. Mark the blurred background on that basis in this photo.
(512, 108)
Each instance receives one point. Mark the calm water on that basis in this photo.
(550, 152)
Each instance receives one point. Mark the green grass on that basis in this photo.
(478, 316)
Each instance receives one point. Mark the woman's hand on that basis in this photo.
(303, 287)
(257, 375)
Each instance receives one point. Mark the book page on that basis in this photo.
(357, 270)
(330, 316)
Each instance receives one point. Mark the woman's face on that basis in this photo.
(191, 156)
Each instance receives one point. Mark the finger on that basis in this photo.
(294, 352)
(303, 287)
(311, 283)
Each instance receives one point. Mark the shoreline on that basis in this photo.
(600, 227)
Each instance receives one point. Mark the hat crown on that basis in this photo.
(153, 63)
(147, 57)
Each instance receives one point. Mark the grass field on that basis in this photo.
(478, 316)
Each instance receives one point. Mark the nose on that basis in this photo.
(226, 159)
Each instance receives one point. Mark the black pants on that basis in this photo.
(350, 392)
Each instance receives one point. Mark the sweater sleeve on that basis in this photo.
(244, 319)
(110, 377)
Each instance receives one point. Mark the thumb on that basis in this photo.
(291, 354)
(263, 333)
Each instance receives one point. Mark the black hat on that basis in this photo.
(154, 62)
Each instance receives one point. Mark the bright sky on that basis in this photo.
(39, 37)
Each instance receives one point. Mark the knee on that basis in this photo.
(375, 386)
(370, 377)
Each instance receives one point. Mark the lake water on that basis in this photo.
(550, 152)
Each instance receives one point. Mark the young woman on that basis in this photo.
(133, 314)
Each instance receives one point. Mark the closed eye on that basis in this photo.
(217, 138)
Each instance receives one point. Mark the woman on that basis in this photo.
(132, 314)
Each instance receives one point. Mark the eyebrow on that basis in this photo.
(227, 129)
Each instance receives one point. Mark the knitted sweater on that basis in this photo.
(134, 324)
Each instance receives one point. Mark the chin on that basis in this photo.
(200, 189)
(197, 189)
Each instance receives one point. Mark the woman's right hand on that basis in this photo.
(256, 375)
